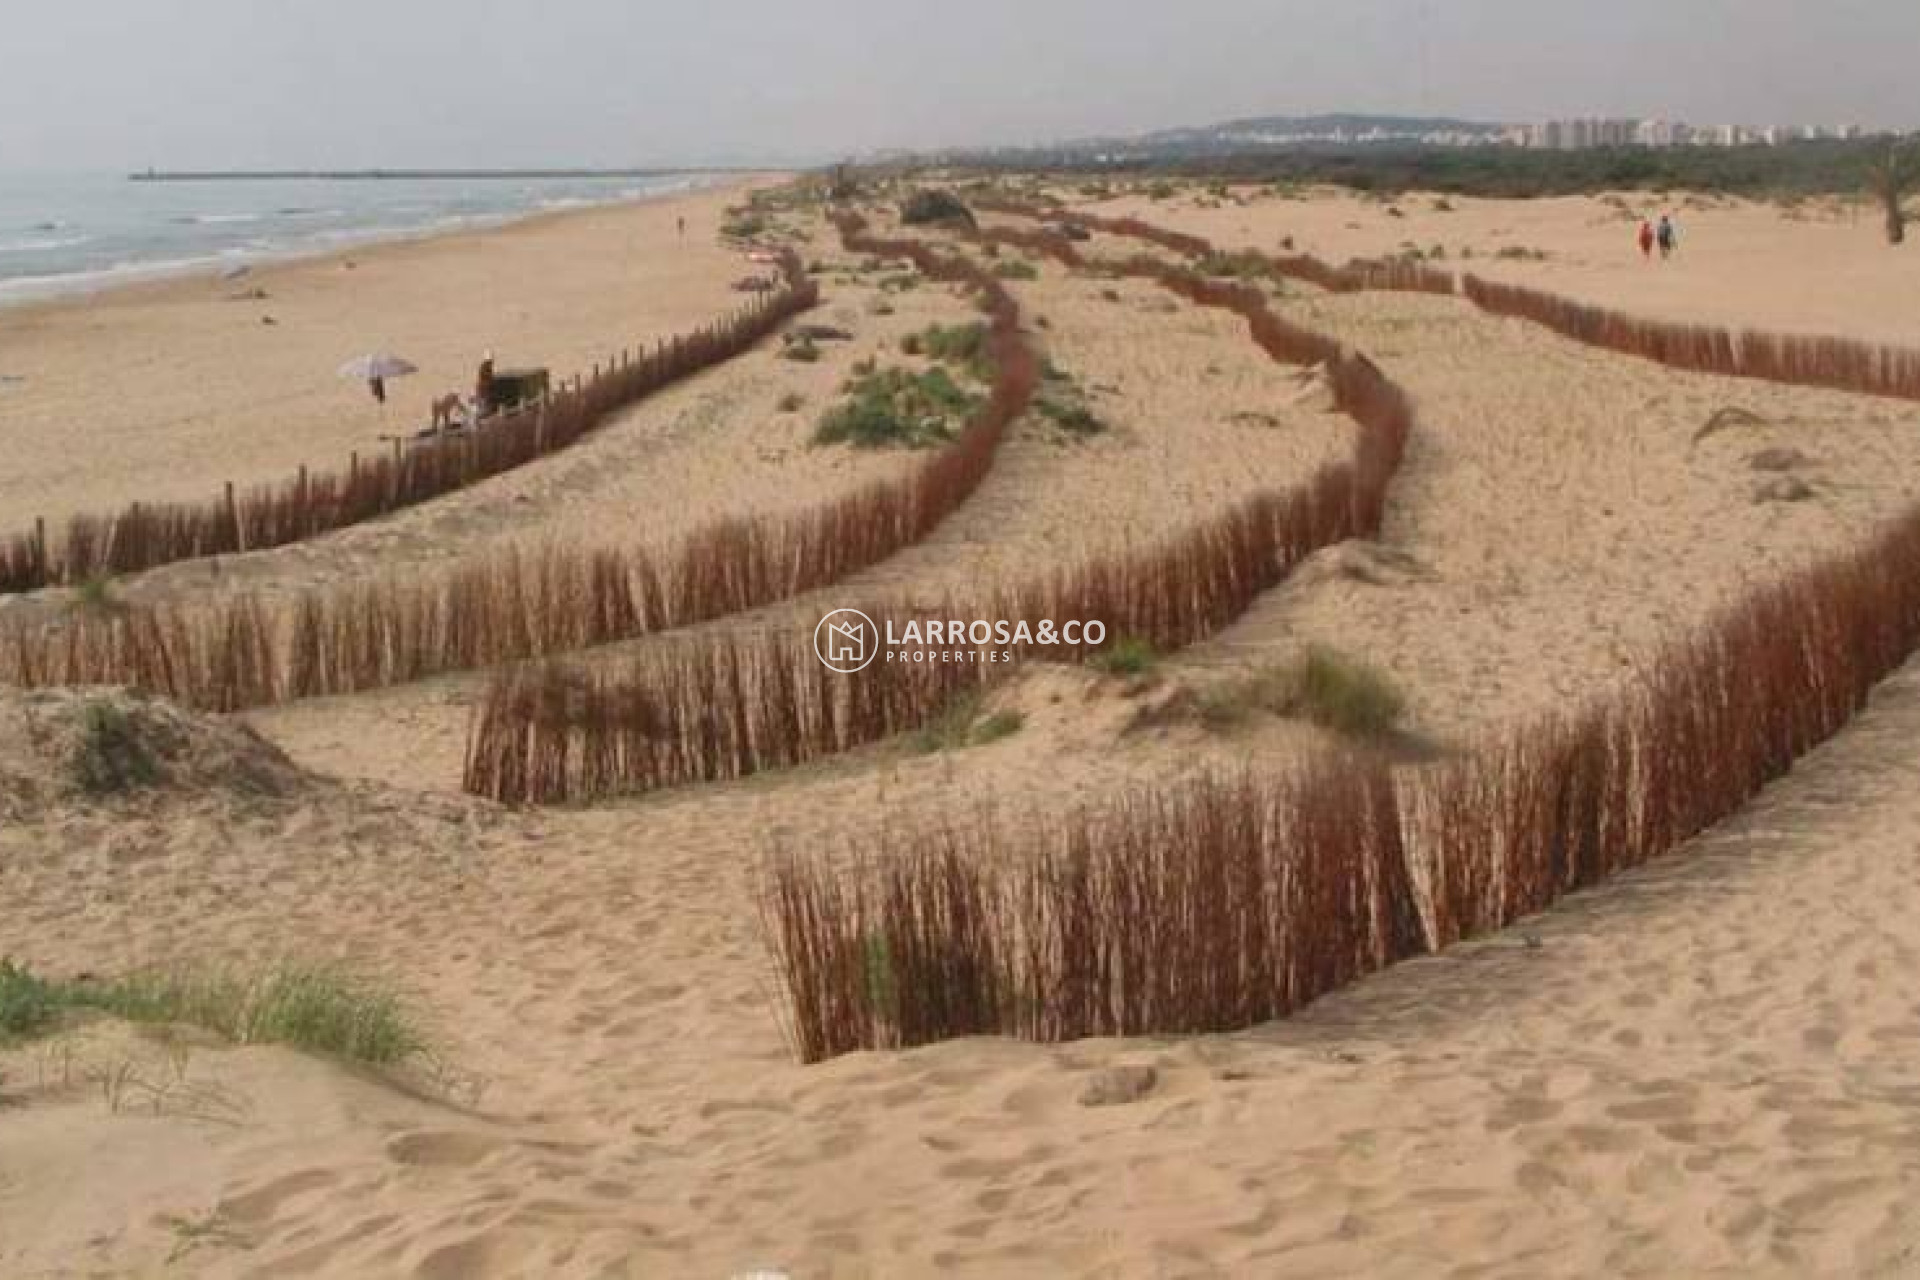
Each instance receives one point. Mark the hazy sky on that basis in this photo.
(125, 83)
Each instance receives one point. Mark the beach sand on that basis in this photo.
(165, 391)
(1814, 266)
(1705, 1068)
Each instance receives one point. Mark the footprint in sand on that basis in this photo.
(428, 1148)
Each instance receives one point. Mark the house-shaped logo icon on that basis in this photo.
(846, 641)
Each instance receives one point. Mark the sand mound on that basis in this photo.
(59, 744)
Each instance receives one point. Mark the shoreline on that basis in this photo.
(30, 291)
(159, 390)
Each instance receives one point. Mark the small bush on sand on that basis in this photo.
(95, 594)
(1127, 656)
(1062, 402)
(897, 407)
(1237, 266)
(1347, 695)
(802, 350)
(1071, 416)
(961, 345)
(1016, 269)
(931, 206)
(1001, 724)
(960, 725)
(317, 1009)
(743, 225)
(111, 758)
(791, 402)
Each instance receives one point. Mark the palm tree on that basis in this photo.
(1891, 177)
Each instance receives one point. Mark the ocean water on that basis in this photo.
(61, 233)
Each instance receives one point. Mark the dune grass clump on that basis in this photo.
(964, 346)
(1347, 695)
(1016, 269)
(1243, 265)
(112, 759)
(95, 594)
(898, 408)
(314, 1008)
(931, 206)
(1127, 656)
(961, 725)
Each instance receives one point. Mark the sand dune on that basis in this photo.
(1705, 1068)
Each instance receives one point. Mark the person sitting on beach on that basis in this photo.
(483, 387)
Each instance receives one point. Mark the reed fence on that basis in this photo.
(728, 705)
(520, 605)
(146, 535)
(1231, 901)
(1833, 363)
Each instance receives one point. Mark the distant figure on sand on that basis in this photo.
(378, 386)
(483, 387)
(1669, 238)
(1646, 239)
(447, 410)
(683, 227)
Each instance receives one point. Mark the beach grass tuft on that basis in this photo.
(315, 1008)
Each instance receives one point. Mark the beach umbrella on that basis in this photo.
(375, 369)
(378, 365)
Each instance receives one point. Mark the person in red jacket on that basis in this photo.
(1646, 239)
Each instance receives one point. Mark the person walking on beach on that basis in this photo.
(683, 227)
(1646, 239)
(1669, 238)
(483, 387)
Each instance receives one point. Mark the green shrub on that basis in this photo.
(897, 407)
(743, 225)
(95, 594)
(1071, 416)
(961, 345)
(1240, 265)
(930, 206)
(1347, 695)
(960, 725)
(28, 1004)
(1016, 269)
(1001, 724)
(803, 350)
(1127, 656)
(111, 758)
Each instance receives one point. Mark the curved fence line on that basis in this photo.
(1837, 364)
(1224, 903)
(725, 706)
(146, 535)
(1217, 905)
(520, 605)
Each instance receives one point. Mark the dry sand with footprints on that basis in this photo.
(1704, 1068)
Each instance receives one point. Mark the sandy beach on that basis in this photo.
(1703, 1068)
(165, 391)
